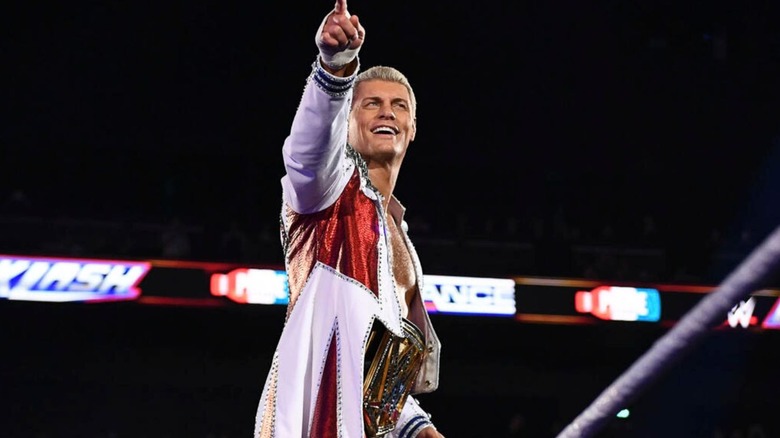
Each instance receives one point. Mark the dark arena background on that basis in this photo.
(580, 152)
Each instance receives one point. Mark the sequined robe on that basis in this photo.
(340, 273)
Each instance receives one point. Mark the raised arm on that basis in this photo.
(313, 152)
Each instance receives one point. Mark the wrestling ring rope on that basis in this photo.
(747, 278)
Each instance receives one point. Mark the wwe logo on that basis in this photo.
(742, 313)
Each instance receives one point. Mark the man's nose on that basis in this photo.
(387, 112)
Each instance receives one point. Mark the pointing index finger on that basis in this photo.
(341, 6)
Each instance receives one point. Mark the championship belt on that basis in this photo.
(391, 366)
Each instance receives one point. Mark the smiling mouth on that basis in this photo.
(385, 130)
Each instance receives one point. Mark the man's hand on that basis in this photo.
(429, 432)
(339, 38)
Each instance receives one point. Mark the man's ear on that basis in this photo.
(414, 130)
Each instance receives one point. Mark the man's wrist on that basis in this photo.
(341, 71)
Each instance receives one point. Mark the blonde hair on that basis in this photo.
(389, 74)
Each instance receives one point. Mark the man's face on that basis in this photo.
(381, 124)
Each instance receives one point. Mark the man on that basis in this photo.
(357, 339)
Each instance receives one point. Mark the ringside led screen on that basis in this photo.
(534, 300)
(579, 301)
(69, 279)
(441, 294)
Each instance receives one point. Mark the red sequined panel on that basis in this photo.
(344, 236)
(325, 421)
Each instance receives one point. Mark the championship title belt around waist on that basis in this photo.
(391, 367)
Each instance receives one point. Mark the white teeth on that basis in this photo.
(383, 130)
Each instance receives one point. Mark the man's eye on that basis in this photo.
(401, 105)
(372, 103)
